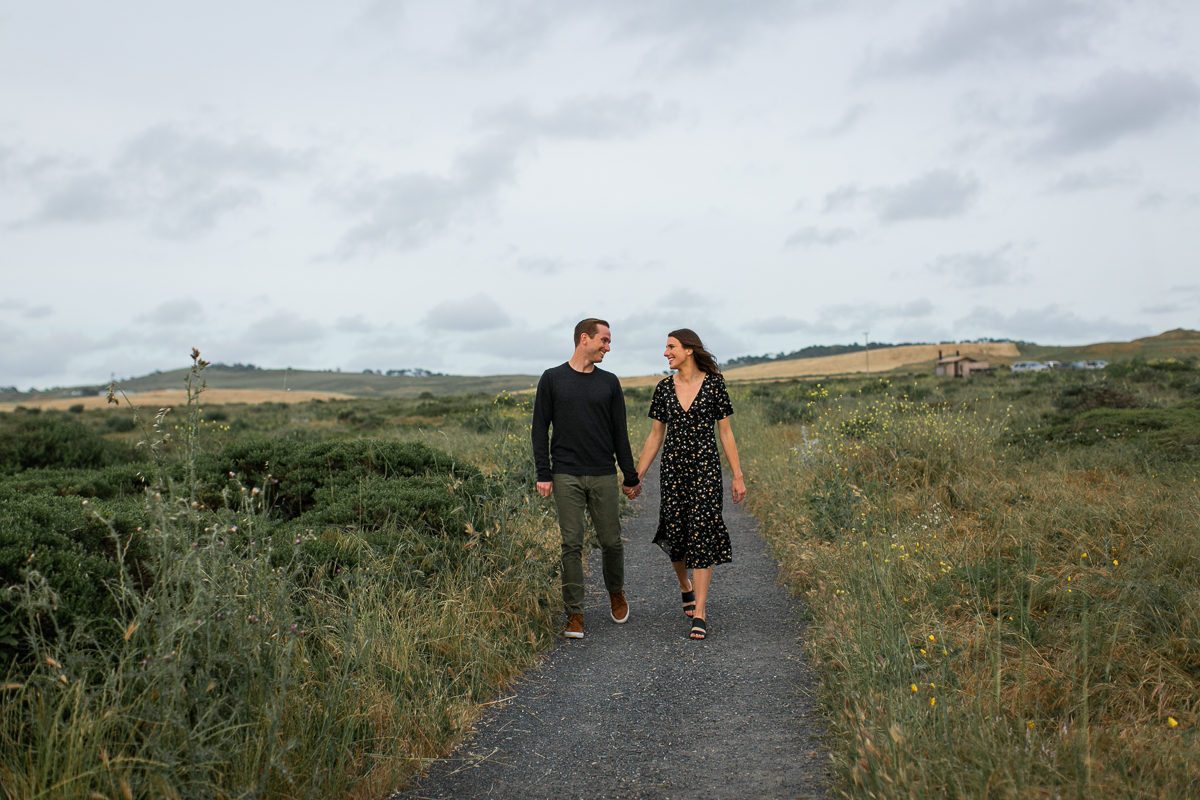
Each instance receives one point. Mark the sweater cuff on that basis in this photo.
(632, 479)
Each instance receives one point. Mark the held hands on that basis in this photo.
(632, 492)
(739, 490)
(544, 488)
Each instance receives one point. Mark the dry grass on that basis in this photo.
(889, 358)
(240, 674)
(989, 622)
(168, 397)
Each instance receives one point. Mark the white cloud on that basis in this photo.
(809, 236)
(937, 194)
(543, 265)
(476, 313)
(976, 269)
(356, 323)
(1050, 324)
(1116, 105)
(180, 184)
(184, 311)
(1089, 181)
(845, 319)
(283, 328)
(1020, 31)
(25, 310)
(406, 210)
(675, 33)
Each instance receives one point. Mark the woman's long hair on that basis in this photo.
(690, 341)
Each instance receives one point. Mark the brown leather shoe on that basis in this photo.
(574, 627)
(620, 609)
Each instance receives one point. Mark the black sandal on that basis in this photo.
(698, 629)
(689, 599)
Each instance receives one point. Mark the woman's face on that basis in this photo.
(675, 353)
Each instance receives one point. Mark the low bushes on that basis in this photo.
(314, 626)
(992, 619)
(54, 441)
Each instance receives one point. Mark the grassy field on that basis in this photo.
(307, 382)
(1179, 343)
(1003, 575)
(279, 600)
(230, 385)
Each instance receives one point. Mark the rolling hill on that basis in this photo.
(241, 385)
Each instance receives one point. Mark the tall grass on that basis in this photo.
(237, 674)
(989, 619)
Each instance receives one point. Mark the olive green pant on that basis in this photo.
(600, 495)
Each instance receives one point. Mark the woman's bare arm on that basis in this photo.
(650, 448)
(731, 455)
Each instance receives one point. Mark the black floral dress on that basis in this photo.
(690, 527)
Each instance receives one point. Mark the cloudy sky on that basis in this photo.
(453, 184)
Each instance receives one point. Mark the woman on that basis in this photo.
(690, 528)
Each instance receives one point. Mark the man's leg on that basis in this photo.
(604, 505)
(569, 499)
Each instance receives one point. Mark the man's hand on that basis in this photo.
(545, 488)
(632, 492)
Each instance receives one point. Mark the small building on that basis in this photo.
(957, 366)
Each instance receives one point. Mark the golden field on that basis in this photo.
(883, 360)
(178, 397)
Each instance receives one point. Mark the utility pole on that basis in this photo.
(867, 349)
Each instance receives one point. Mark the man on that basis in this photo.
(586, 409)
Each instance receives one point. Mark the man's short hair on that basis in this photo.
(589, 327)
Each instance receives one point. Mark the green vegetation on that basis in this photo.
(358, 384)
(300, 611)
(1178, 344)
(1003, 575)
(308, 600)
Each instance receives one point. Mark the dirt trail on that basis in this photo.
(641, 711)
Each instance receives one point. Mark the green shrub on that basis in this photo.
(1155, 370)
(1079, 398)
(118, 423)
(1171, 431)
(329, 500)
(217, 662)
(357, 418)
(793, 402)
(359, 482)
(55, 441)
(70, 550)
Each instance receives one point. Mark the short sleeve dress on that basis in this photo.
(690, 527)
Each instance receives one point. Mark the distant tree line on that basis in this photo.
(239, 367)
(415, 372)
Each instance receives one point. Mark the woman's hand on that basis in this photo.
(739, 490)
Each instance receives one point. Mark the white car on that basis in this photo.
(1029, 366)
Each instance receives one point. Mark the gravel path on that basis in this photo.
(640, 710)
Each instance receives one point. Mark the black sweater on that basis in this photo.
(587, 411)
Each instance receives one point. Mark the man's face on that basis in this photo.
(594, 347)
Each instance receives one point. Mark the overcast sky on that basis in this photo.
(453, 184)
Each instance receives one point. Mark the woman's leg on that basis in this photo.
(701, 579)
(685, 585)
